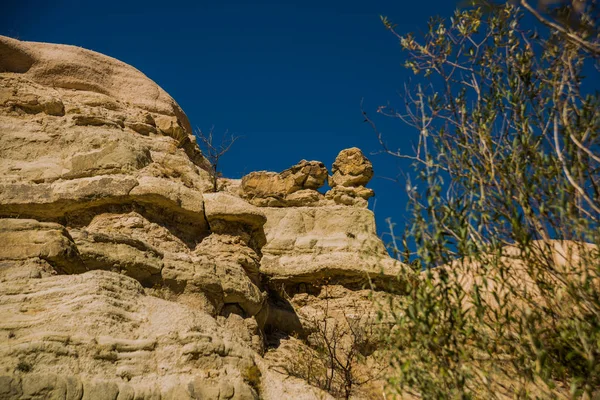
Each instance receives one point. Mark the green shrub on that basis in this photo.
(504, 294)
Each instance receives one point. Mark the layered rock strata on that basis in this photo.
(122, 276)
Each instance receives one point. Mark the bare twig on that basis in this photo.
(213, 150)
(591, 47)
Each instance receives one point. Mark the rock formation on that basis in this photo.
(350, 173)
(296, 186)
(122, 276)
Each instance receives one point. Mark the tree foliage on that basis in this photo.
(576, 20)
(504, 294)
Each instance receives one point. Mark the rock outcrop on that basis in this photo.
(312, 244)
(350, 173)
(122, 276)
(296, 186)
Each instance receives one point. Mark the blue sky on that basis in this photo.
(287, 76)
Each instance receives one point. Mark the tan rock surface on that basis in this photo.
(565, 257)
(71, 67)
(311, 244)
(79, 129)
(106, 334)
(121, 277)
(351, 168)
(278, 189)
(350, 196)
(351, 171)
(119, 253)
(228, 208)
(24, 239)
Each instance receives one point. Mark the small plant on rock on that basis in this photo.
(213, 150)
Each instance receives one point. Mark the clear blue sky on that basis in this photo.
(288, 76)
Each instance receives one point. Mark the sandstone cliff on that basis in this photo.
(123, 277)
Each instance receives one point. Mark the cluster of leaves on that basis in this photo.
(504, 295)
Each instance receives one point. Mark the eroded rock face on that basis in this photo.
(351, 171)
(297, 186)
(48, 244)
(108, 337)
(309, 245)
(293, 187)
(103, 163)
(121, 277)
(351, 168)
(82, 130)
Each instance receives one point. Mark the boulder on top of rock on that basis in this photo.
(307, 174)
(351, 171)
(351, 168)
(270, 189)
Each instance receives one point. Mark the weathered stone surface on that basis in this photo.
(314, 172)
(221, 269)
(69, 198)
(120, 254)
(296, 187)
(311, 244)
(224, 207)
(24, 239)
(71, 67)
(351, 171)
(565, 256)
(274, 189)
(236, 265)
(350, 196)
(302, 198)
(22, 100)
(351, 168)
(122, 278)
(82, 130)
(102, 326)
